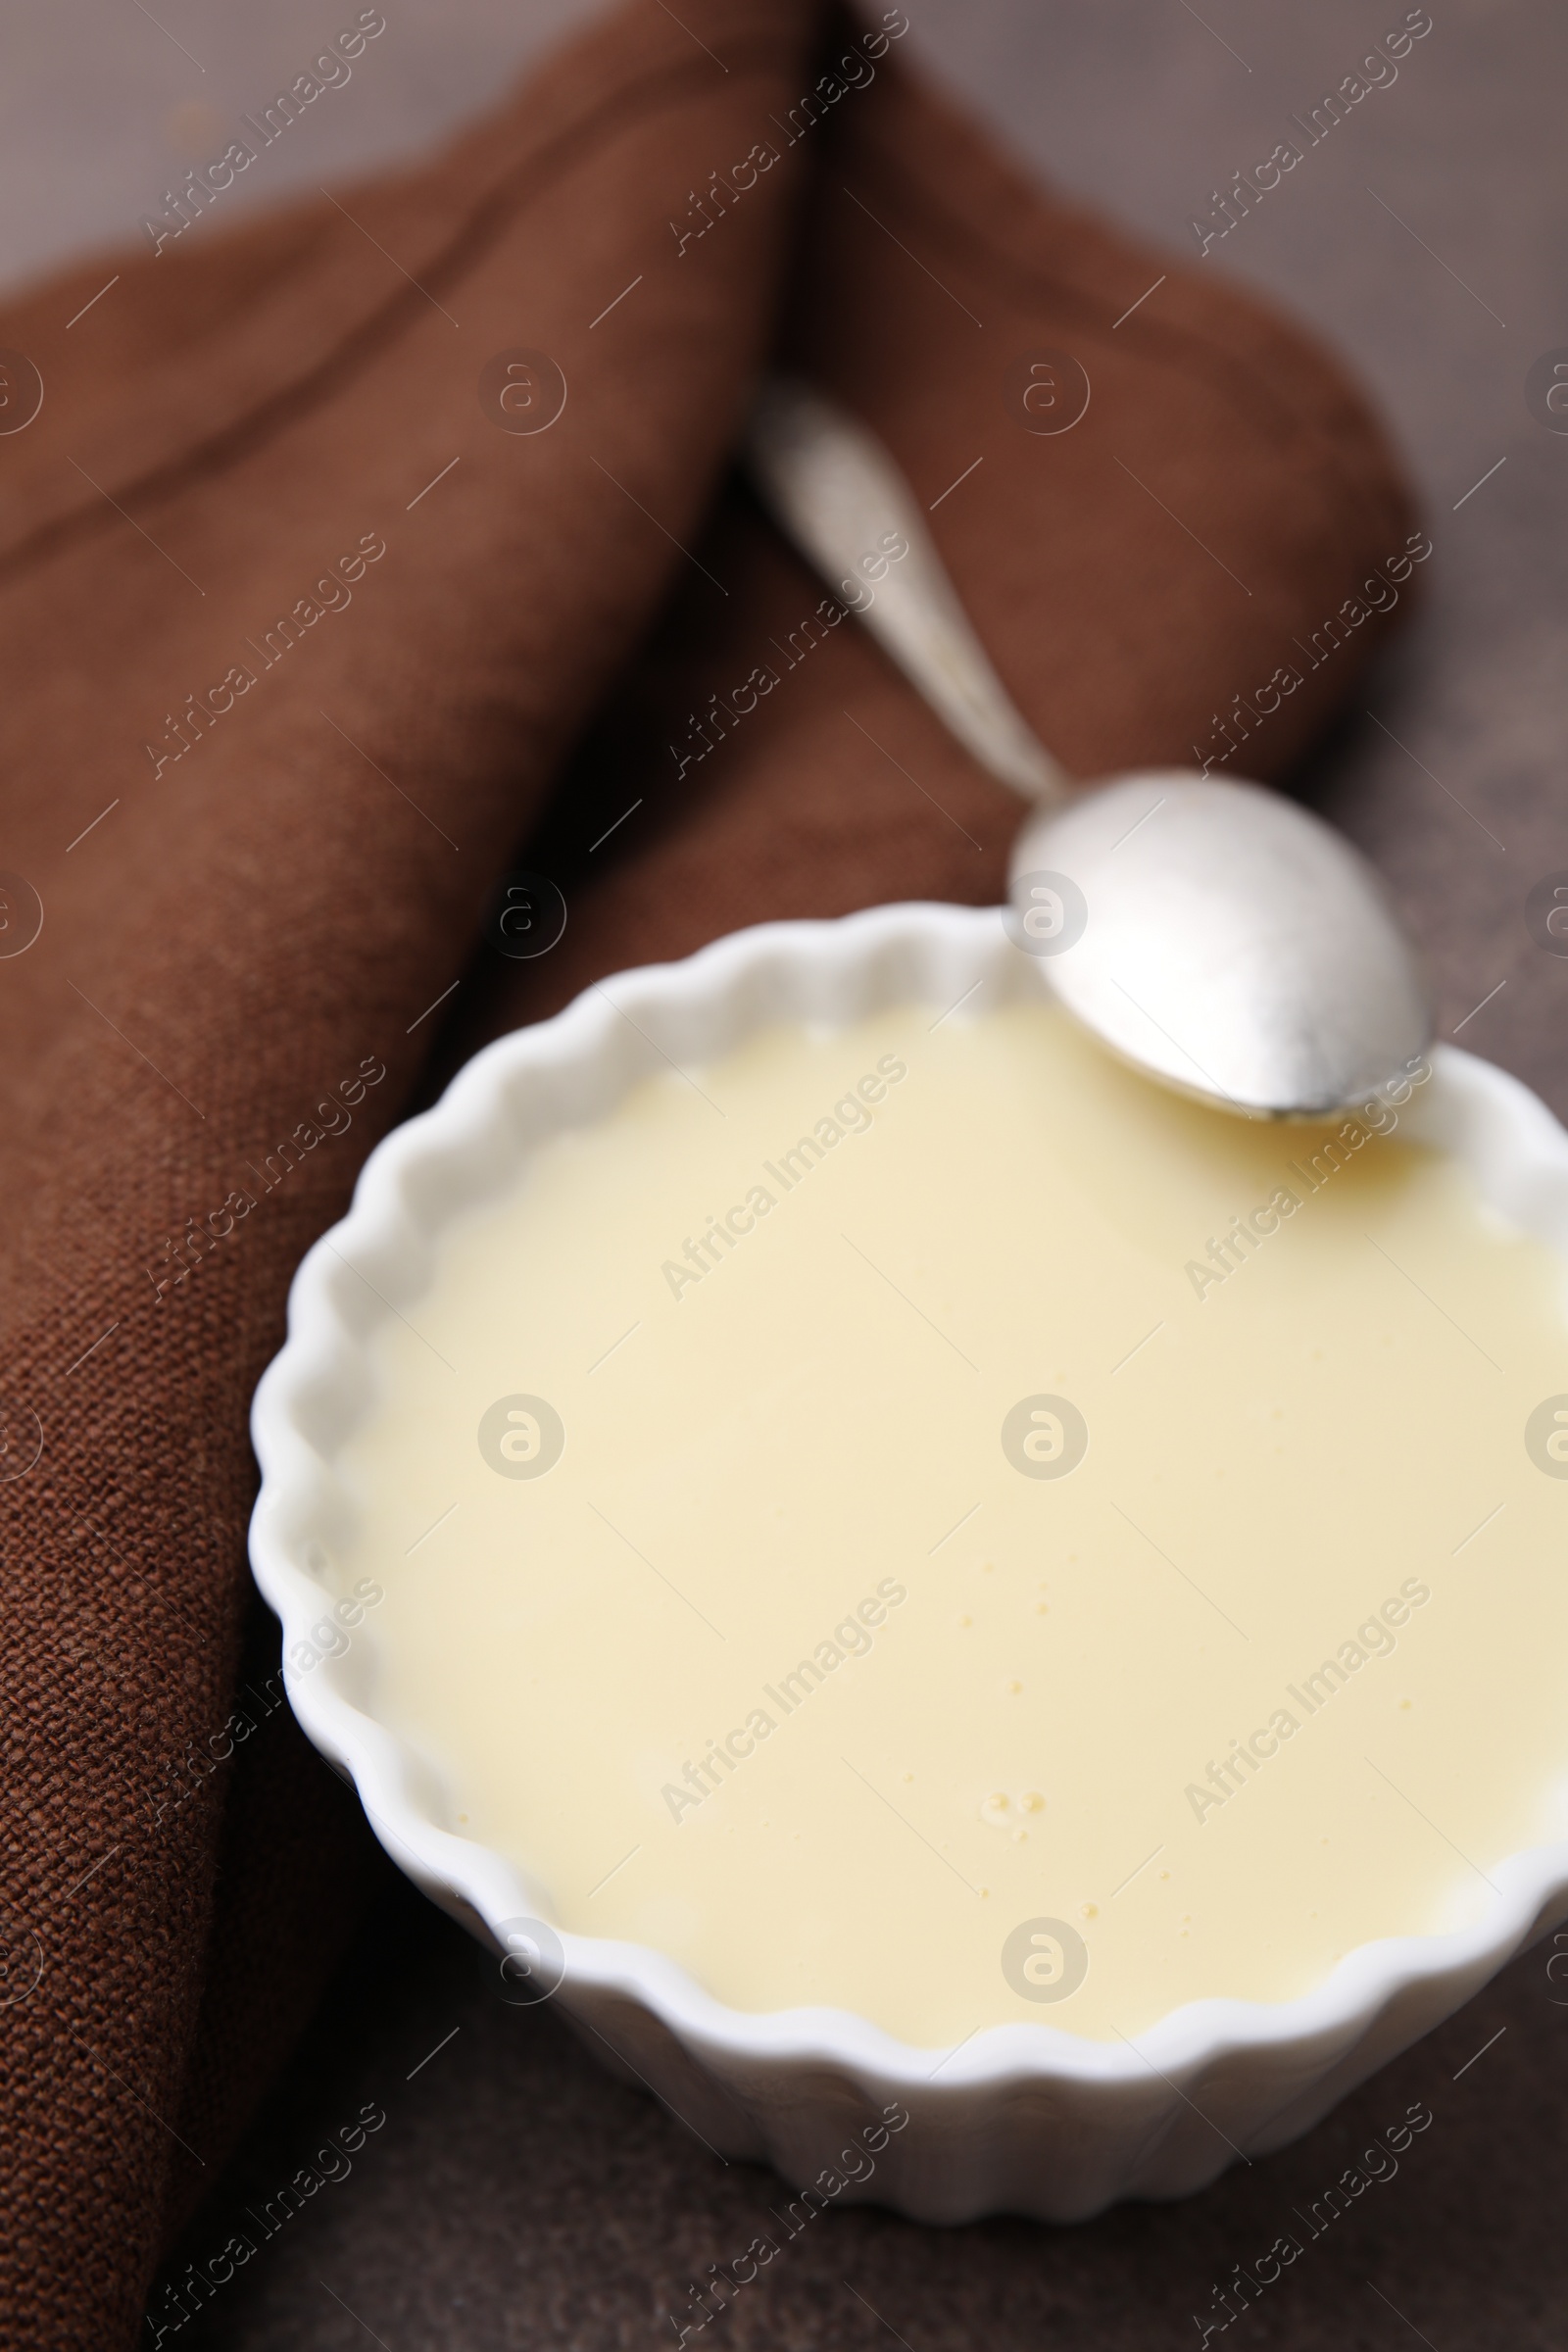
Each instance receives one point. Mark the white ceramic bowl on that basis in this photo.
(1020, 2117)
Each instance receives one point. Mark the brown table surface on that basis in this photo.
(516, 2195)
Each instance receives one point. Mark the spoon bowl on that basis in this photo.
(1222, 940)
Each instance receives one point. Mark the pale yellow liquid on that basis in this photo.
(1028, 1732)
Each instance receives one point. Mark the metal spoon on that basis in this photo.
(1214, 934)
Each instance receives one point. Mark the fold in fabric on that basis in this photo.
(358, 556)
(1194, 574)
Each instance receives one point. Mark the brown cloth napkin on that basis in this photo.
(340, 542)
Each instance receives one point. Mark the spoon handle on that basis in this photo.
(835, 492)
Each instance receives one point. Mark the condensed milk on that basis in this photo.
(915, 1520)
